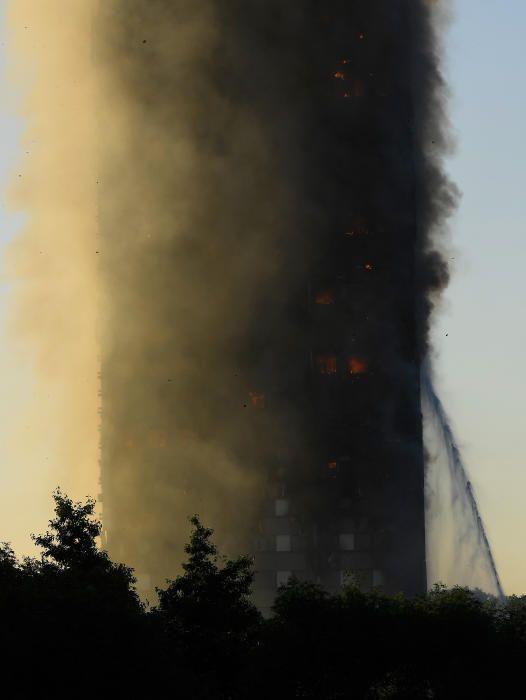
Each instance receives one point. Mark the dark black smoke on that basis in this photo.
(241, 176)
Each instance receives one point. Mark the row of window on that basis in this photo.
(281, 505)
(346, 542)
(281, 509)
(327, 296)
(376, 577)
(328, 364)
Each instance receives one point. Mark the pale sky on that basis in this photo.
(10, 133)
(480, 362)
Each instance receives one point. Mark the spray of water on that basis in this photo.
(459, 549)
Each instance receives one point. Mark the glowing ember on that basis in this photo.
(327, 364)
(339, 75)
(332, 466)
(324, 297)
(257, 399)
(357, 365)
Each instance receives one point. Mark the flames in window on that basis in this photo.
(325, 296)
(257, 399)
(357, 365)
(326, 364)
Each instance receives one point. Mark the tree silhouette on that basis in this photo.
(72, 605)
(208, 612)
(71, 621)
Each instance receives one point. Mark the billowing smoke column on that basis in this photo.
(271, 197)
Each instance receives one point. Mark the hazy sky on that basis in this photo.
(10, 132)
(481, 361)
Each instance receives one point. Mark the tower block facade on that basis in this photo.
(266, 376)
(352, 505)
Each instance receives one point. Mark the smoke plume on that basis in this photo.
(229, 199)
(202, 176)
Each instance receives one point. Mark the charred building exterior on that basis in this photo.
(275, 278)
(355, 504)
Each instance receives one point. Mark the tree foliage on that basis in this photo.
(71, 622)
(208, 615)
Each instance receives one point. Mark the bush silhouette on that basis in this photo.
(71, 621)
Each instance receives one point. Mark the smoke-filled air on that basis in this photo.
(49, 401)
(236, 218)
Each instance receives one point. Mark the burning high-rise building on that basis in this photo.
(272, 183)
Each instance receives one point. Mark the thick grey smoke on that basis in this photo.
(231, 197)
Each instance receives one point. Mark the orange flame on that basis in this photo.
(326, 296)
(357, 365)
(339, 75)
(327, 364)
